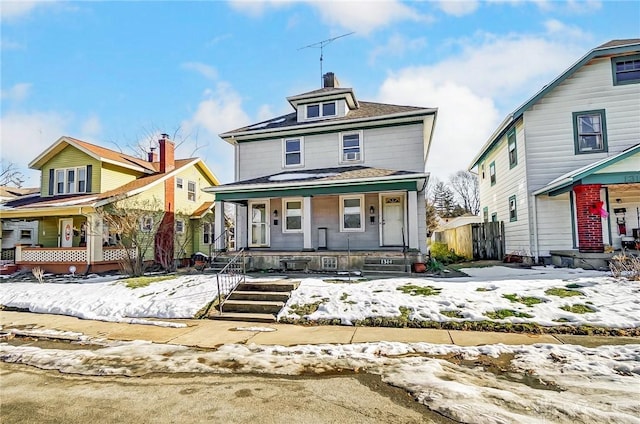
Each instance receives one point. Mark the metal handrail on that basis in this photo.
(216, 246)
(230, 277)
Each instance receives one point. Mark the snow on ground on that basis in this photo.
(615, 302)
(563, 384)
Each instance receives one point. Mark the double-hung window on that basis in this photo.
(492, 172)
(513, 150)
(179, 183)
(485, 214)
(590, 131)
(494, 217)
(513, 209)
(71, 180)
(207, 233)
(146, 224)
(191, 191)
(351, 147)
(626, 69)
(292, 215)
(351, 213)
(179, 226)
(293, 151)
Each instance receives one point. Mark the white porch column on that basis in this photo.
(94, 238)
(221, 242)
(306, 223)
(241, 224)
(413, 219)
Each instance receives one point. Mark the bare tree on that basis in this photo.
(10, 175)
(134, 224)
(465, 186)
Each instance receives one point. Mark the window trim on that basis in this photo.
(320, 106)
(180, 230)
(146, 224)
(482, 169)
(66, 180)
(179, 183)
(360, 197)
(24, 231)
(189, 192)
(493, 177)
(285, 201)
(284, 152)
(208, 232)
(485, 214)
(360, 158)
(513, 218)
(494, 217)
(603, 131)
(614, 72)
(512, 141)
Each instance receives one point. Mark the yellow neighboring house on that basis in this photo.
(79, 179)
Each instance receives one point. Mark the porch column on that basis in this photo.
(94, 238)
(241, 229)
(221, 242)
(589, 219)
(412, 203)
(306, 223)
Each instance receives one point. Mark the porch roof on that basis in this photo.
(621, 168)
(309, 182)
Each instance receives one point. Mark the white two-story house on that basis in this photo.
(563, 170)
(337, 177)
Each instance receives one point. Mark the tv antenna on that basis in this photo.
(320, 45)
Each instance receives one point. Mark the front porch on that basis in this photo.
(59, 260)
(327, 261)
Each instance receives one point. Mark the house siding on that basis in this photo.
(70, 157)
(510, 181)
(397, 147)
(549, 123)
(112, 177)
(183, 204)
(554, 223)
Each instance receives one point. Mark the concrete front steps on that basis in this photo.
(385, 264)
(256, 301)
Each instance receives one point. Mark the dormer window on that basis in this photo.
(71, 180)
(321, 110)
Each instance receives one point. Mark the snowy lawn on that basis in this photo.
(542, 296)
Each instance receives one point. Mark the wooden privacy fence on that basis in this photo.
(488, 240)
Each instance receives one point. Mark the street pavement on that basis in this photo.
(213, 333)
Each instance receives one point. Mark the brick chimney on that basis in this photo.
(330, 80)
(167, 158)
(152, 155)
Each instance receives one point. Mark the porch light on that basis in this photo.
(372, 210)
(275, 213)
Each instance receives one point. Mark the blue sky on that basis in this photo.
(119, 73)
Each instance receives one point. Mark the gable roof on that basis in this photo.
(565, 182)
(610, 48)
(97, 152)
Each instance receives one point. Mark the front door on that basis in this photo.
(259, 224)
(392, 220)
(66, 233)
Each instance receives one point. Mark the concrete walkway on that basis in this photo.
(211, 334)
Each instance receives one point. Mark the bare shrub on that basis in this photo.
(623, 265)
(38, 273)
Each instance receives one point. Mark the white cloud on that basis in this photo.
(359, 16)
(265, 113)
(558, 28)
(397, 46)
(219, 111)
(458, 7)
(91, 127)
(6, 44)
(17, 93)
(12, 10)
(218, 39)
(471, 99)
(464, 119)
(205, 70)
(24, 136)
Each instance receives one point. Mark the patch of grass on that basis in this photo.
(482, 289)
(562, 292)
(306, 309)
(344, 296)
(414, 290)
(573, 286)
(525, 300)
(506, 313)
(452, 314)
(377, 291)
(578, 308)
(562, 320)
(144, 281)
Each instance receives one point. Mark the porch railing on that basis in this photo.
(8, 255)
(230, 277)
(217, 246)
(70, 254)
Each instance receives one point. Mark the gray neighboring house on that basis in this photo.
(563, 170)
(336, 175)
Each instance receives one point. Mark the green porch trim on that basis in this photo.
(314, 191)
(613, 178)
